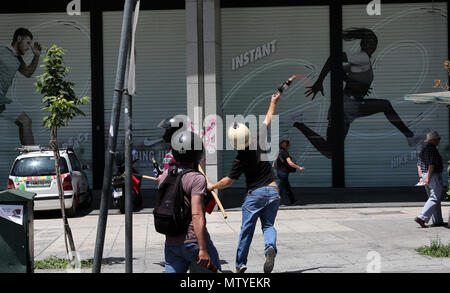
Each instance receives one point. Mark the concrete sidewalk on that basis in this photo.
(310, 240)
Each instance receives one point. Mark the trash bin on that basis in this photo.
(16, 231)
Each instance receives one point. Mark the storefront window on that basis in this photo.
(263, 47)
(399, 52)
(160, 81)
(21, 105)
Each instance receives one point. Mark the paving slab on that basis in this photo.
(320, 240)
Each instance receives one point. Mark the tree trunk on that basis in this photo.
(67, 230)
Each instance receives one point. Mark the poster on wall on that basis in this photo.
(24, 39)
(259, 55)
(386, 56)
(160, 83)
(399, 52)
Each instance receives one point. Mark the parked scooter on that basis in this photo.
(118, 186)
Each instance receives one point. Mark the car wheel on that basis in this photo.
(73, 210)
(88, 200)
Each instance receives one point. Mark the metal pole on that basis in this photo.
(112, 140)
(337, 100)
(448, 56)
(130, 75)
(128, 191)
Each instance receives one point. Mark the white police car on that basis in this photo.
(34, 171)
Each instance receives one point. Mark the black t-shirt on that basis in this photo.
(254, 164)
(282, 164)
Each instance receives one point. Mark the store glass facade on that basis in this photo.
(261, 48)
(386, 133)
(73, 35)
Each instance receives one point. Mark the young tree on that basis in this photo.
(61, 103)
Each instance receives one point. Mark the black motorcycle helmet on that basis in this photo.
(187, 147)
(171, 125)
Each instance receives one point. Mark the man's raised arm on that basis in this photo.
(272, 108)
(28, 70)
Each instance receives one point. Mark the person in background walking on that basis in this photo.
(284, 166)
(430, 169)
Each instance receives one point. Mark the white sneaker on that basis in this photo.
(241, 269)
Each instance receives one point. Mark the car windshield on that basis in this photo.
(38, 166)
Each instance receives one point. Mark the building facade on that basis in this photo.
(228, 57)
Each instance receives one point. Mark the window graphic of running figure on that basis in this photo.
(358, 79)
(11, 61)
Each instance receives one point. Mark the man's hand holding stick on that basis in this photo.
(216, 198)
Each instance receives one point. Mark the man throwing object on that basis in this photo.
(262, 199)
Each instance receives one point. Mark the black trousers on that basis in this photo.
(284, 186)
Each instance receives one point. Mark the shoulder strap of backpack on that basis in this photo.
(184, 172)
(181, 192)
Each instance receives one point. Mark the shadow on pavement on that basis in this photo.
(310, 269)
(234, 197)
(114, 260)
(54, 214)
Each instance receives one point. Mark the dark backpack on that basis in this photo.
(172, 215)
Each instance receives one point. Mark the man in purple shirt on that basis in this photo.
(194, 248)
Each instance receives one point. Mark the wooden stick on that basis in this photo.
(214, 194)
(149, 178)
(212, 267)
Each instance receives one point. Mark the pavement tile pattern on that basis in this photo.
(312, 240)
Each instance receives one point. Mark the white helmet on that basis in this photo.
(239, 136)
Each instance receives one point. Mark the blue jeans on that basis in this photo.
(284, 185)
(178, 258)
(261, 203)
(432, 208)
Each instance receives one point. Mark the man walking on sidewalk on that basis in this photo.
(430, 169)
(284, 166)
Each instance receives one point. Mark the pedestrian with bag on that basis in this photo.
(262, 199)
(285, 165)
(430, 169)
(180, 210)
